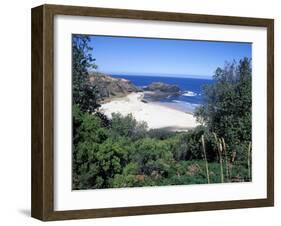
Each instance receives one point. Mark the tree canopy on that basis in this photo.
(83, 93)
(227, 106)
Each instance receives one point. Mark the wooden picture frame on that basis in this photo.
(42, 205)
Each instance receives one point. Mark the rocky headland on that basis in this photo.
(108, 87)
(159, 90)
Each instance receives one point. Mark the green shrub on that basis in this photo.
(227, 103)
(127, 126)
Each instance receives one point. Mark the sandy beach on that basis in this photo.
(156, 115)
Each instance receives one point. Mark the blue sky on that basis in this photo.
(163, 57)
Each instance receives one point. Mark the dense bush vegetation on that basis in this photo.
(127, 154)
(227, 108)
(121, 152)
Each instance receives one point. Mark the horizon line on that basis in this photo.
(161, 75)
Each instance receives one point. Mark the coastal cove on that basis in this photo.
(154, 114)
(145, 96)
(160, 102)
(190, 89)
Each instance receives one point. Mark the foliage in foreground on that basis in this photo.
(128, 155)
(227, 106)
(83, 92)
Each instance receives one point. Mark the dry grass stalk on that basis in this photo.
(221, 160)
(219, 150)
(205, 157)
(233, 157)
(226, 160)
(216, 138)
(249, 160)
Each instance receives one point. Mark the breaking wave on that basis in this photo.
(189, 94)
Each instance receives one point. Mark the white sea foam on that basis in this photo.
(189, 94)
(177, 101)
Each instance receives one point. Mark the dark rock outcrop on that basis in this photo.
(163, 87)
(108, 87)
(159, 90)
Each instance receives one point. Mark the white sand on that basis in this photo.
(156, 116)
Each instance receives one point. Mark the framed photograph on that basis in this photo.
(141, 112)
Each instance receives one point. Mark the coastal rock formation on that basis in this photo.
(163, 87)
(108, 87)
(159, 90)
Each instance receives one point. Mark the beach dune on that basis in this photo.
(155, 115)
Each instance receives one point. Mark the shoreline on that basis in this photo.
(173, 106)
(154, 114)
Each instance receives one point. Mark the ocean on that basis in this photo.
(191, 89)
